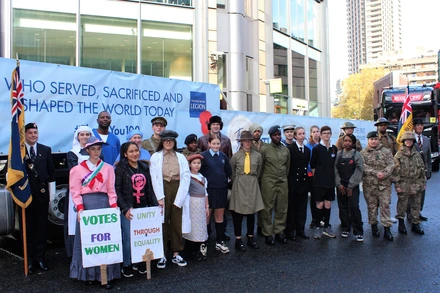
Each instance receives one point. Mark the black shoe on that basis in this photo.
(226, 237)
(269, 240)
(422, 218)
(416, 229)
(127, 272)
(302, 236)
(141, 268)
(312, 224)
(387, 234)
(107, 286)
(198, 257)
(375, 230)
(402, 227)
(239, 245)
(281, 238)
(43, 266)
(291, 236)
(252, 244)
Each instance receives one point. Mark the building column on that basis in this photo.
(237, 58)
(6, 28)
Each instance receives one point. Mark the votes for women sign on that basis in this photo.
(101, 240)
(146, 233)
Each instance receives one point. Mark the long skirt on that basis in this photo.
(199, 231)
(91, 201)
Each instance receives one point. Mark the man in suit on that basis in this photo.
(41, 173)
(423, 145)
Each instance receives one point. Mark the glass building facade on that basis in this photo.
(177, 39)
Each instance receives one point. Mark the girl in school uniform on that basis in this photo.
(217, 170)
(199, 210)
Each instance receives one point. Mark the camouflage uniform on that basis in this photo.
(377, 192)
(410, 178)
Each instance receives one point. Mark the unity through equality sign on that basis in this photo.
(146, 233)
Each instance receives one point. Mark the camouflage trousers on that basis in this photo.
(414, 201)
(376, 199)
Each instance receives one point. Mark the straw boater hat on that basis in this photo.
(93, 141)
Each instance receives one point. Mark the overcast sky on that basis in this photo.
(419, 28)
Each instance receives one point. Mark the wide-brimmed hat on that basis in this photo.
(93, 141)
(381, 120)
(245, 135)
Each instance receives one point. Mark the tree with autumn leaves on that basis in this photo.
(356, 101)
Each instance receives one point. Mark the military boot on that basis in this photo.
(402, 227)
(387, 234)
(375, 230)
(416, 229)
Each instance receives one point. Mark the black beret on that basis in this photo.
(372, 134)
(30, 126)
(417, 121)
(274, 129)
(167, 134)
(190, 138)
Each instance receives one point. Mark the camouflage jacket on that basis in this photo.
(409, 171)
(377, 160)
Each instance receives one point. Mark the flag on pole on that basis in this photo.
(17, 179)
(405, 122)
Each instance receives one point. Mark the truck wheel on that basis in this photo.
(56, 215)
(56, 207)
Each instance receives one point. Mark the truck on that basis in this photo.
(60, 98)
(425, 101)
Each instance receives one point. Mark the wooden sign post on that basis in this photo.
(147, 258)
(103, 274)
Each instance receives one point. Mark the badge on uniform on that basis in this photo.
(42, 190)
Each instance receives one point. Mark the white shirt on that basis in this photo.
(28, 147)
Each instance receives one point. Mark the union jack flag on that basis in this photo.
(17, 179)
(405, 122)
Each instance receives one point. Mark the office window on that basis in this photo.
(109, 43)
(44, 36)
(298, 76)
(167, 50)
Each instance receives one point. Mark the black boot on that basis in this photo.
(375, 230)
(402, 227)
(416, 229)
(387, 234)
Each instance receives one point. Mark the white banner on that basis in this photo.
(146, 233)
(101, 238)
(59, 98)
(237, 121)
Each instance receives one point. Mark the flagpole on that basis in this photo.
(23, 219)
(25, 254)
